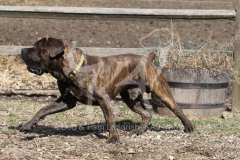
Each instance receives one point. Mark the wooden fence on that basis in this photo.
(124, 14)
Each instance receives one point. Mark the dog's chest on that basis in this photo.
(81, 95)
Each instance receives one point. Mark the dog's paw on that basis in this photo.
(188, 127)
(112, 140)
(136, 132)
(25, 127)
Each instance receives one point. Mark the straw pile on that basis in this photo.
(212, 55)
(14, 76)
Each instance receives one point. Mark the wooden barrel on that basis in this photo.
(197, 92)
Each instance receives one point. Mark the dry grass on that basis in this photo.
(14, 76)
(210, 55)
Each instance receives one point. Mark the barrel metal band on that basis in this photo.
(198, 85)
(200, 106)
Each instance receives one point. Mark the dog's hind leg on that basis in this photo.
(136, 94)
(160, 88)
(136, 106)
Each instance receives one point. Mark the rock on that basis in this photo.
(131, 151)
(227, 115)
(158, 137)
(210, 153)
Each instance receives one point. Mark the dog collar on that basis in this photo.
(76, 70)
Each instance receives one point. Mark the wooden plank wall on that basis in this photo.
(111, 13)
(96, 51)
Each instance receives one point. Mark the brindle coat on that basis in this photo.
(99, 80)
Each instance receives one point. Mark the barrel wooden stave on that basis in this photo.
(198, 92)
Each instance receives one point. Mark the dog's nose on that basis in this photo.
(23, 53)
(23, 50)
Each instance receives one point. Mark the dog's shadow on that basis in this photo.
(83, 130)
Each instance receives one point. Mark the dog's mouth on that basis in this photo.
(35, 71)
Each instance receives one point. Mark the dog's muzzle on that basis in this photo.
(35, 71)
(30, 68)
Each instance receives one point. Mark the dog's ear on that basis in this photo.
(56, 46)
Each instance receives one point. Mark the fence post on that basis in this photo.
(236, 86)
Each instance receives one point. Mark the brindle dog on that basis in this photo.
(98, 80)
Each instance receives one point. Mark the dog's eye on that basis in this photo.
(43, 52)
(35, 45)
(35, 57)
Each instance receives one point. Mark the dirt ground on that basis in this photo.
(81, 133)
(125, 34)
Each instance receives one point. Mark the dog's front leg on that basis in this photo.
(55, 107)
(104, 102)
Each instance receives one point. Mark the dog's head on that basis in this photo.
(42, 54)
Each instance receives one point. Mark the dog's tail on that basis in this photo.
(151, 56)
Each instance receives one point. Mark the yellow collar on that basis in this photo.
(76, 70)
